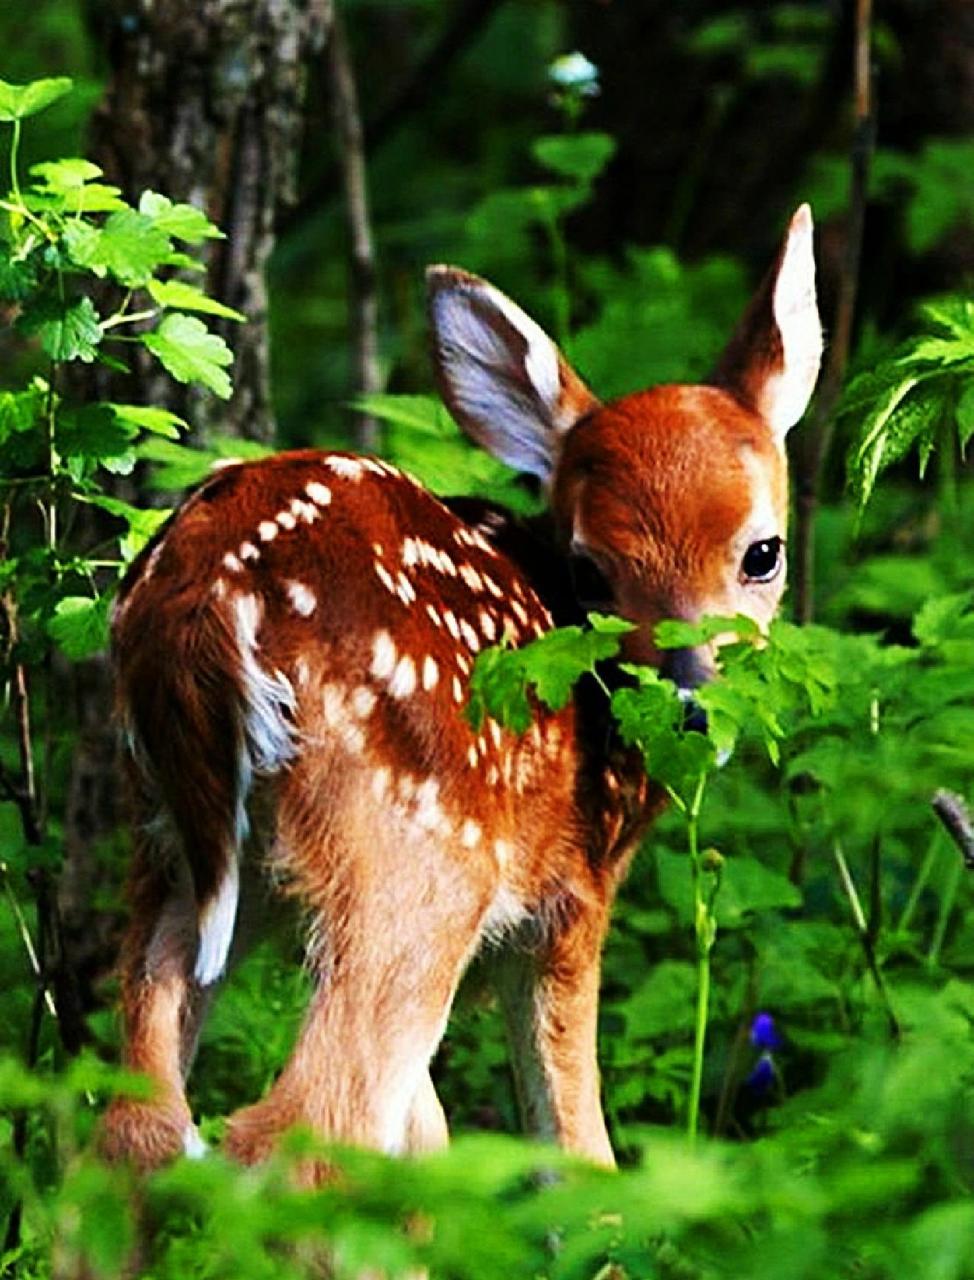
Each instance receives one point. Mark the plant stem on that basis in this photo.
(704, 928)
(946, 907)
(14, 149)
(919, 884)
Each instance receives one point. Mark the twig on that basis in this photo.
(363, 299)
(822, 428)
(862, 929)
(951, 809)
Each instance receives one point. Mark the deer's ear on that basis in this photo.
(773, 359)
(502, 377)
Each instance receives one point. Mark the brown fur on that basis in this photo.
(315, 618)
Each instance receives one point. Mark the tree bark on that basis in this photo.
(204, 105)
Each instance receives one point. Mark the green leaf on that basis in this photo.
(964, 412)
(66, 175)
(142, 522)
(17, 101)
(18, 276)
(183, 221)
(186, 297)
(676, 634)
(92, 432)
(79, 626)
(187, 350)
(160, 422)
(129, 246)
(580, 156)
(20, 411)
(67, 330)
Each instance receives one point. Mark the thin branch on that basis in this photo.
(363, 297)
(952, 811)
(821, 430)
(862, 930)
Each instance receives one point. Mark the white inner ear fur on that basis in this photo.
(796, 316)
(507, 398)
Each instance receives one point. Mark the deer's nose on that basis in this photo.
(688, 670)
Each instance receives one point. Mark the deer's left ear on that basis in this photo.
(773, 359)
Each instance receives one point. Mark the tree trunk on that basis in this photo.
(204, 105)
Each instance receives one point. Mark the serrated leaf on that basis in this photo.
(187, 350)
(142, 522)
(183, 221)
(18, 101)
(964, 413)
(92, 432)
(160, 422)
(20, 411)
(129, 247)
(186, 297)
(66, 175)
(18, 276)
(673, 633)
(79, 626)
(67, 330)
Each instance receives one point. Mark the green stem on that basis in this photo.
(149, 314)
(920, 883)
(946, 907)
(704, 928)
(14, 149)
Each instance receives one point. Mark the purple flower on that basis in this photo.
(763, 1032)
(762, 1077)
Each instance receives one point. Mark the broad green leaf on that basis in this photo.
(965, 414)
(67, 330)
(580, 156)
(142, 522)
(20, 411)
(180, 466)
(129, 247)
(66, 175)
(18, 276)
(187, 349)
(676, 634)
(186, 297)
(92, 432)
(17, 101)
(160, 422)
(183, 221)
(79, 626)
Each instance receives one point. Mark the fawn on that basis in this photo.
(292, 655)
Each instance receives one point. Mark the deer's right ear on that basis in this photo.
(502, 377)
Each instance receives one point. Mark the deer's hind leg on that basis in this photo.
(398, 908)
(161, 1007)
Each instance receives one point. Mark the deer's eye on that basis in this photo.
(592, 589)
(762, 560)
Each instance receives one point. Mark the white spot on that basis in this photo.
(380, 782)
(405, 786)
(470, 636)
(457, 689)
(384, 576)
(306, 511)
(431, 673)
(248, 551)
(482, 745)
(472, 758)
(216, 921)
(362, 700)
(377, 548)
(503, 852)
(449, 617)
(428, 811)
(301, 672)
(520, 612)
(383, 655)
(403, 679)
(487, 625)
(463, 662)
(231, 562)
(492, 587)
(348, 468)
(493, 775)
(410, 552)
(405, 589)
(471, 577)
(302, 598)
(495, 731)
(470, 834)
(319, 494)
(286, 519)
(434, 616)
(194, 1148)
(333, 705)
(267, 530)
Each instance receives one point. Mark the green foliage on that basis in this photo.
(923, 392)
(87, 276)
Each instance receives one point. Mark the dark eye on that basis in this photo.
(592, 589)
(762, 560)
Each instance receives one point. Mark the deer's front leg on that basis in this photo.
(549, 993)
